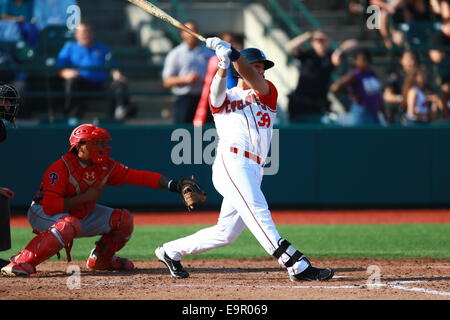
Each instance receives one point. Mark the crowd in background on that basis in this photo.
(415, 88)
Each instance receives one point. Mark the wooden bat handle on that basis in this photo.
(193, 33)
(157, 12)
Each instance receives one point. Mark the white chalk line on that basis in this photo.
(424, 267)
(415, 289)
(393, 285)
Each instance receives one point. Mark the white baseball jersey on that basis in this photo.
(245, 120)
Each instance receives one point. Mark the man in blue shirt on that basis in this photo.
(184, 71)
(84, 64)
(17, 10)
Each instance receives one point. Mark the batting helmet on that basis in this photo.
(92, 133)
(253, 55)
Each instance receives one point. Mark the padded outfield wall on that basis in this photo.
(315, 166)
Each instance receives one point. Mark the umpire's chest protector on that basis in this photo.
(5, 233)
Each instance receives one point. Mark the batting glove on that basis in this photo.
(214, 42)
(224, 55)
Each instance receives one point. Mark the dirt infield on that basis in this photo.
(247, 279)
(256, 279)
(289, 217)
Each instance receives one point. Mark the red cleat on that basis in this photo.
(95, 263)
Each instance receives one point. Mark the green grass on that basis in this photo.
(316, 241)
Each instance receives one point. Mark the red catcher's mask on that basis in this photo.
(98, 137)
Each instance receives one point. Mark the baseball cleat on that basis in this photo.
(176, 269)
(18, 269)
(313, 274)
(116, 263)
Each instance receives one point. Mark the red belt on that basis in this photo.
(249, 155)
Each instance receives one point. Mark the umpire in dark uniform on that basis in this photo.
(9, 103)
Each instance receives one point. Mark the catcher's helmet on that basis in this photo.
(253, 55)
(90, 132)
(9, 102)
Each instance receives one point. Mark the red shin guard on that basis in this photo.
(111, 242)
(49, 242)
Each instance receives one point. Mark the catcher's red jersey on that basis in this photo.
(68, 177)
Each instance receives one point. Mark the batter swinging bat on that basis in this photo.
(157, 12)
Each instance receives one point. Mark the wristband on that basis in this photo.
(234, 55)
(173, 186)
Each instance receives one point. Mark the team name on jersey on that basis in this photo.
(233, 105)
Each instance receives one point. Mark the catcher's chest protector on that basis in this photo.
(82, 178)
(5, 234)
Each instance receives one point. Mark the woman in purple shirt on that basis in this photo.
(365, 90)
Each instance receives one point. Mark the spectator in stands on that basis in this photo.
(20, 12)
(358, 9)
(51, 12)
(418, 27)
(445, 100)
(9, 63)
(417, 10)
(389, 10)
(421, 106)
(17, 10)
(183, 72)
(84, 66)
(203, 114)
(441, 8)
(440, 56)
(392, 95)
(309, 101)
(365, 90)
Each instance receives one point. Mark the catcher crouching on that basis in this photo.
(65, 206)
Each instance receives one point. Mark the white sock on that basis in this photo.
(298, 267)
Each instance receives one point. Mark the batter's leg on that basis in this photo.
(229, 226)
(239, 182)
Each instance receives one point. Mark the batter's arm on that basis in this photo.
(251, 76)
(218, 88)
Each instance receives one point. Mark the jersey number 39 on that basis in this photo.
(264, 120)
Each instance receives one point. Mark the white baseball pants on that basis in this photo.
(238, 180)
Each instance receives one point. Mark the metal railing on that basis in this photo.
(291, 27)
(286, 19)
(306, 13)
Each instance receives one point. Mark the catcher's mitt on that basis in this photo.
(191, 192)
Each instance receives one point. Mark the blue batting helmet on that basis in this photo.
(253, 55)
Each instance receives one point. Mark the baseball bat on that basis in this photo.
(157, 12)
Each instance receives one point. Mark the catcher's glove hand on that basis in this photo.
(190, 191)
